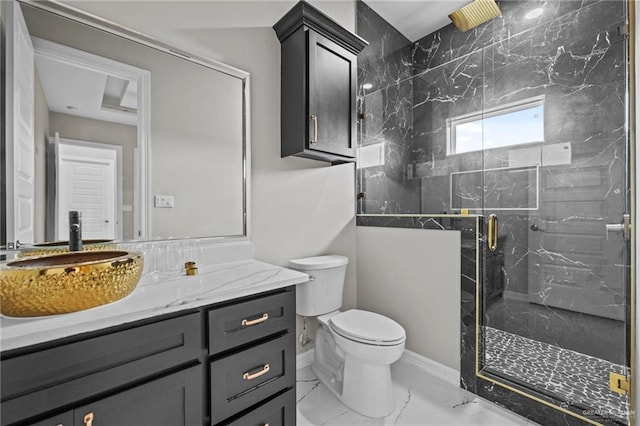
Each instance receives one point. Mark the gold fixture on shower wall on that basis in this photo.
(618, 383)
(474, 14)
(492, 232)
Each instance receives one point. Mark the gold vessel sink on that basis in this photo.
(54, 247)
(67, 282)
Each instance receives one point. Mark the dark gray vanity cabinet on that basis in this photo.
(252, 358)
(217, 364)
(172, 400)
(72, 372)
(318, 86)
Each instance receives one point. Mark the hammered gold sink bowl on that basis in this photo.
(68, 282)
(55, 247)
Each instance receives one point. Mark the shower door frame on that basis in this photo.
(483, 378)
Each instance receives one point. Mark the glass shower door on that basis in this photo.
(555, 193)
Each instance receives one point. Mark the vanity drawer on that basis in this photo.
(280, 411)
(44, 380)
(235, 325)
(243, 379)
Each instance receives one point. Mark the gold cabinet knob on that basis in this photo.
(88, 419)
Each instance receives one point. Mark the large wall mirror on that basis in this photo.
(146, 142)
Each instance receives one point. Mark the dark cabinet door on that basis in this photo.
(49, 379)
(173, 400)
(332, 80)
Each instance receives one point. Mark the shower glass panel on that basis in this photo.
(530, 125)
(556, 288)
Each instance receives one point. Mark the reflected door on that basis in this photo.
(86, 182)
(20, 180)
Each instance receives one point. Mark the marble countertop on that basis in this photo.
(154, 295)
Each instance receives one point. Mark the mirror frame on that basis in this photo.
(101, 24)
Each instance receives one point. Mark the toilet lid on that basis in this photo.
(368, 327)
(318, 262)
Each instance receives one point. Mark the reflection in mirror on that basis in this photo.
(145, 143)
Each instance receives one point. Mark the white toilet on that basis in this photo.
(354, 349)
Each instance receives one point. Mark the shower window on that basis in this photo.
(506, 125)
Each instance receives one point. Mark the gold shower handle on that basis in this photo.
(492, 232)
(314, 118)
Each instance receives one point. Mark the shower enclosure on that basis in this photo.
(524, 122)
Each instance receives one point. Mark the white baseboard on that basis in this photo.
(448, 374)
(304, 359)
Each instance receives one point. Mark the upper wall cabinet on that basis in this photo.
(318, 86)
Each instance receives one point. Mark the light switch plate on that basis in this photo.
(163, 201)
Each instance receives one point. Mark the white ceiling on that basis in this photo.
(66, 85)
(168, 20)
(416, 18)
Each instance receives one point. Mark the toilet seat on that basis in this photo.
(368, 328)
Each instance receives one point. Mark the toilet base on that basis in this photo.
(368, 388)
(364, 387)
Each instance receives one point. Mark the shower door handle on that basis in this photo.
(492, 232)
(622, 228)
(314, 118)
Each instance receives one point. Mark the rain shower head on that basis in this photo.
(474, 14)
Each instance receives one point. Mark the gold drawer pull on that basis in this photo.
(247, 323)
(88, 419)
(265, 370)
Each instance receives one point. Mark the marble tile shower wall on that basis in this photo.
(571, 54)
(386, 109)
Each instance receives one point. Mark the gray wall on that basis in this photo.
(299, 207)
(90, 130)
(413, 277)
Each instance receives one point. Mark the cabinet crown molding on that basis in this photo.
(304, 14)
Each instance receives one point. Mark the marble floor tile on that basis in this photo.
(421, 399)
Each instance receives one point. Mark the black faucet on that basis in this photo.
(75, 231)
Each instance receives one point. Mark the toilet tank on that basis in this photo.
(323, 292)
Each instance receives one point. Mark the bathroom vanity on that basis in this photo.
(216, 348)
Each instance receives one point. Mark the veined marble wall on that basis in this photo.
(385, 104)
(553, 197)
